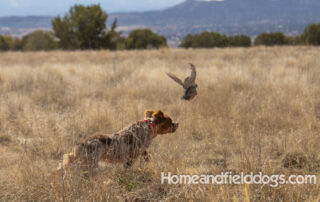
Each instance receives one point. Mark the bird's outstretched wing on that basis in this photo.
(190, 81)
(176, 79)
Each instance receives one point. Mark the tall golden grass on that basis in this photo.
(254, 107)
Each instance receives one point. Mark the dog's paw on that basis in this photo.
(60, 167)
(147, 158)
(128, 164)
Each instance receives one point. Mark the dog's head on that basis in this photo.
(163, 122)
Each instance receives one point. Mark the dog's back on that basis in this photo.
(127, 144)
(124, 146)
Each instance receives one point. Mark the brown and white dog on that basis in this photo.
(122, 147)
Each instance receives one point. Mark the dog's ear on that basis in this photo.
(148, 113)
(158, 115)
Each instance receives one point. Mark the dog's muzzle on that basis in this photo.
(175, 126)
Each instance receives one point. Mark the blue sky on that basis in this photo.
(55, 7)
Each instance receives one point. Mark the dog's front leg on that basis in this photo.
(146, 156)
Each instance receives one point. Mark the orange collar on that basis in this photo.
(151, 126)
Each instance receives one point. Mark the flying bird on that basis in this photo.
(189, 85)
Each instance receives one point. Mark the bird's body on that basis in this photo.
(190, 93)
(189, 85)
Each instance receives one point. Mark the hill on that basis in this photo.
(20, 25)
(249, 17)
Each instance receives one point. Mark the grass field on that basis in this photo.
(256, 108)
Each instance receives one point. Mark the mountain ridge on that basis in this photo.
(249, 17)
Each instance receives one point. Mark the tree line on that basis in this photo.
(310, 36)
(84, 27)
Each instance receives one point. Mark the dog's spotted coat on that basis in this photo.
(124, 146)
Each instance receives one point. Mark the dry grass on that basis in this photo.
(254, 107)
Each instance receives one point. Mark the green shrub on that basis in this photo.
(311, 34)
(209, 40)
(213, 39)
(13, 42)
(295, 40)
(187, 41)
(144, 39)
(38, 40)
(4, 46)
(239, 41)
(271, 39)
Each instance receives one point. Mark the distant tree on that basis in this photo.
(84, 27)
(205, 40)
(111, 38)
(144, 39)
(121, 43)
(239, 41)
(13, 42)
(295, 40)
(187, 41)
(211, 39)
(311, 34)
(271, 39)
(4, 46)
(38, 40)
